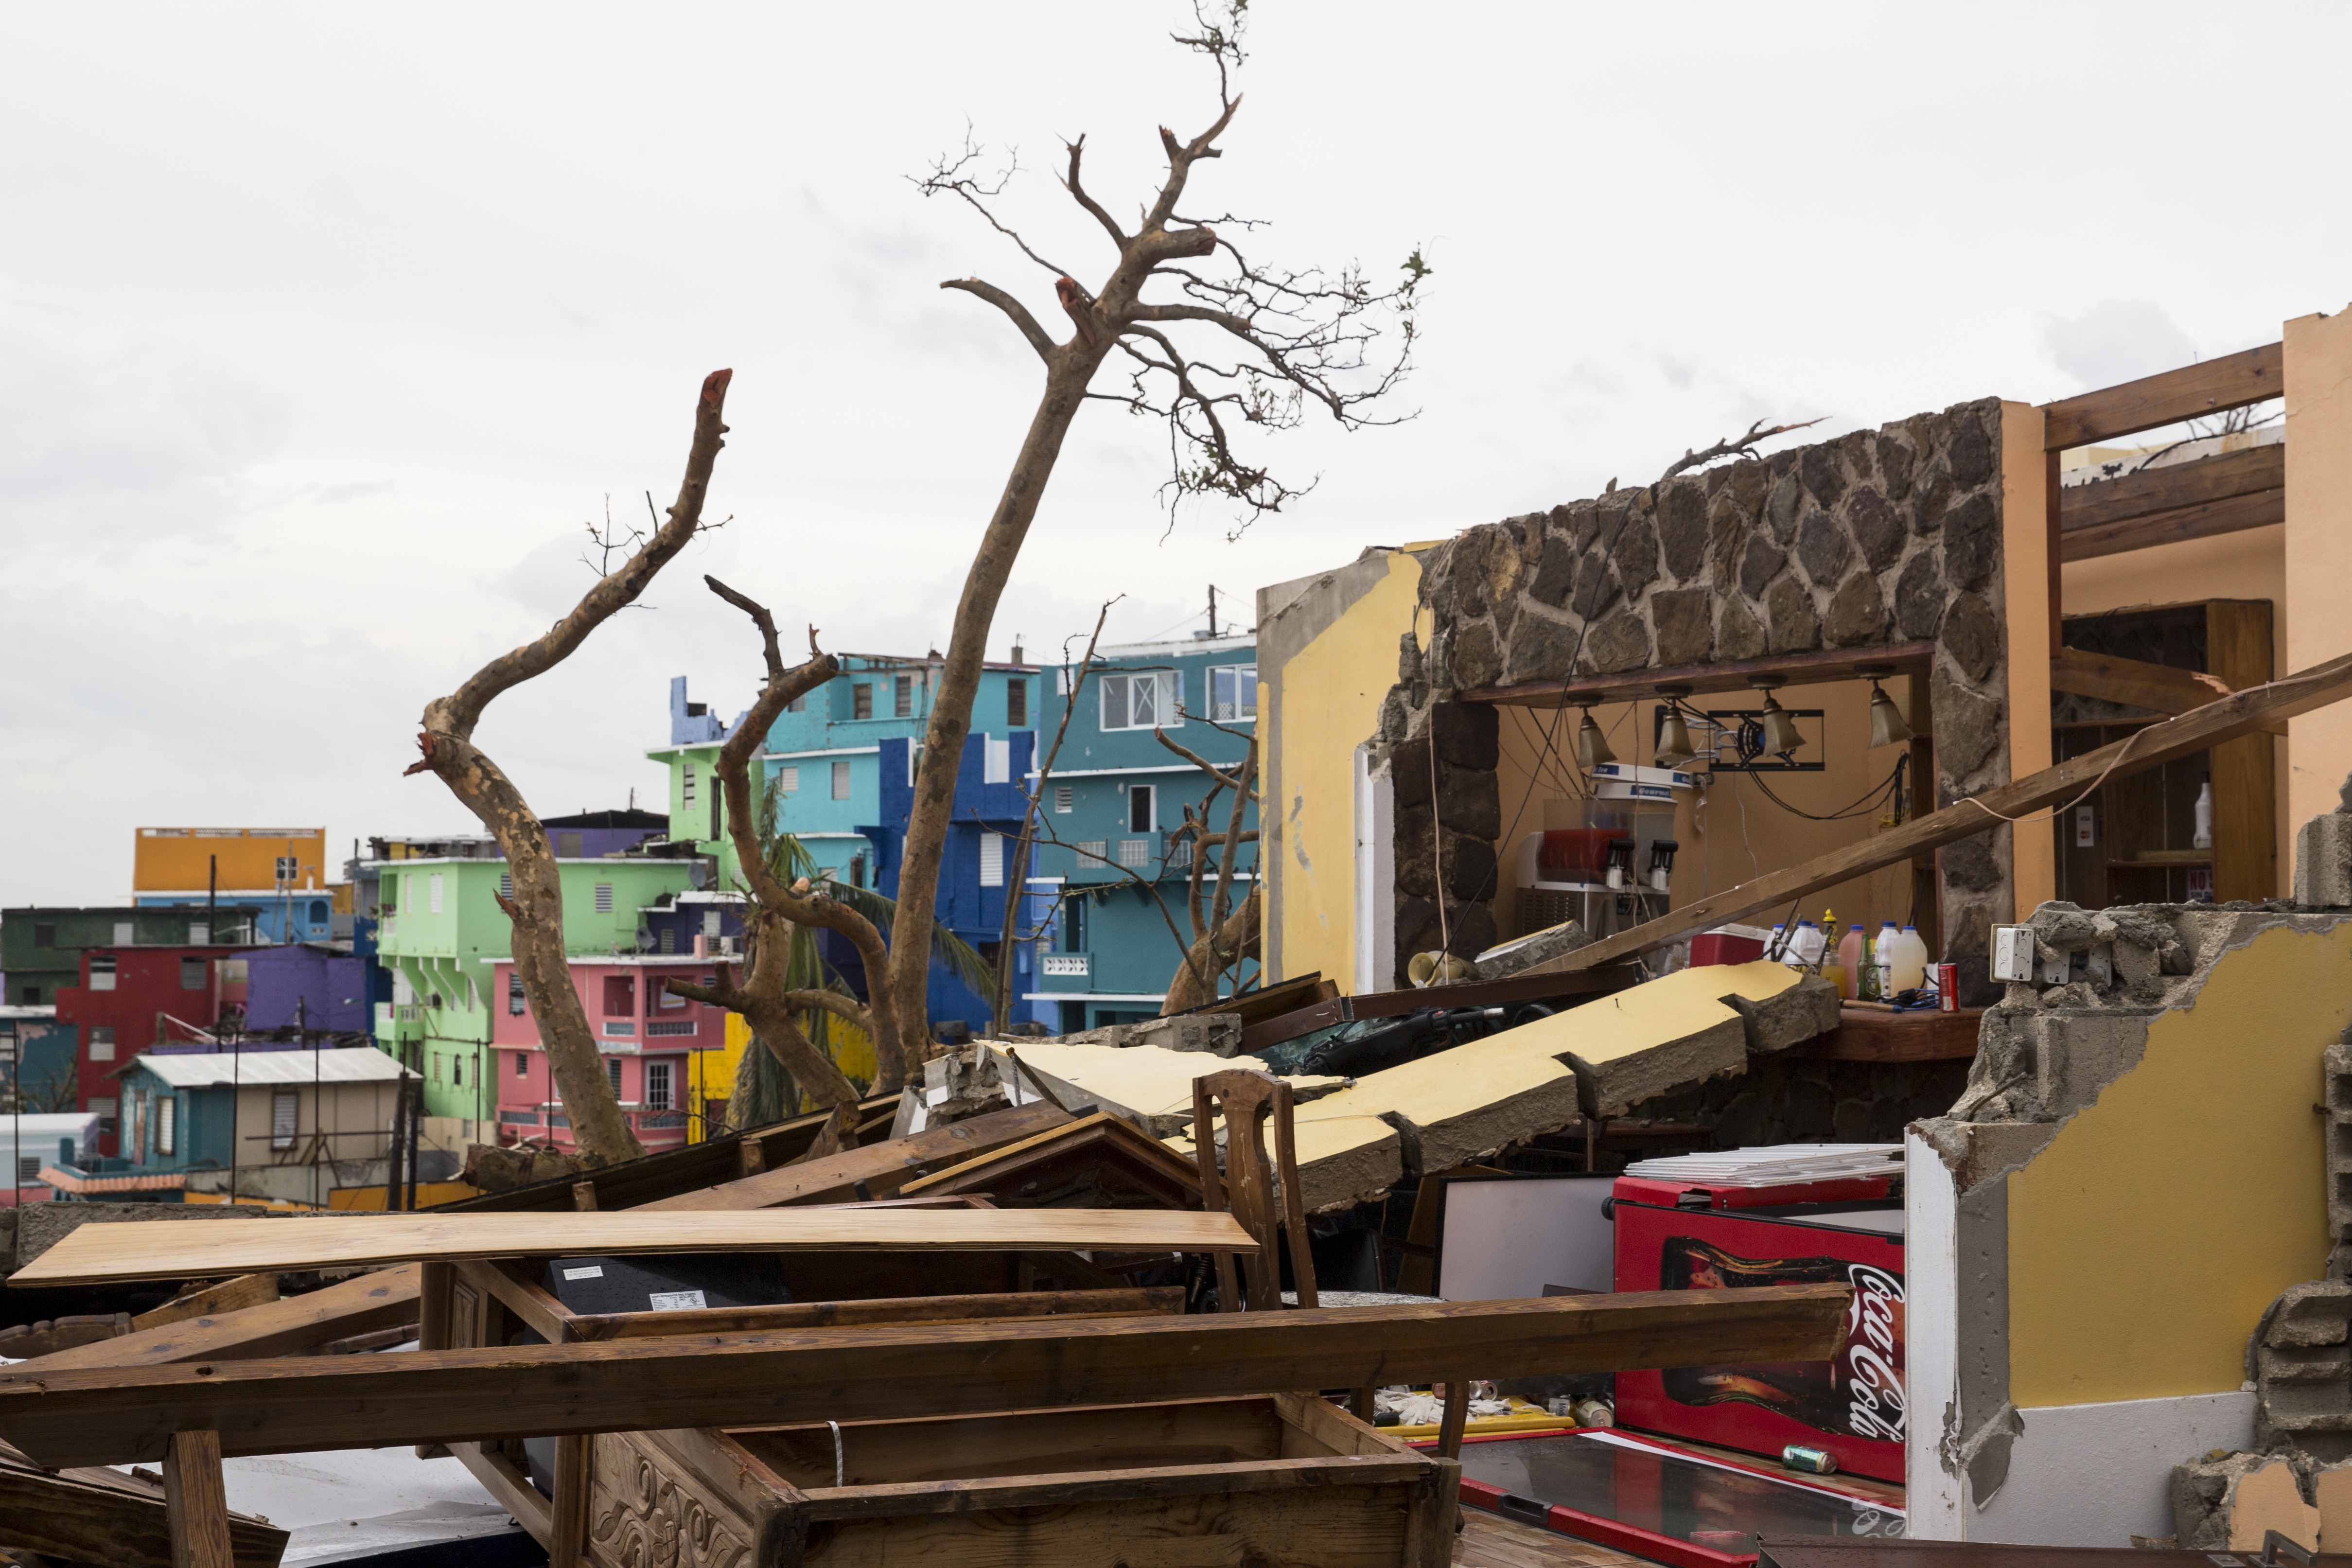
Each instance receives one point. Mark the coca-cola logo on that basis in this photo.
(1871, 1359)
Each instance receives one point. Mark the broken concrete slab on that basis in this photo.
(2301, 1371)
(1804, 1011)
(1219, 1033)
(1525, 952)
(2323, 861)
(2227, 1504)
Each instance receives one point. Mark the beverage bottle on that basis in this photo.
(1882, 959)
(1910, 960)
(1808, 943)
(2203, 838)
(1865, 982)
(1850, 960)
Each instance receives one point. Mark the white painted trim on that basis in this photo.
(1089, 997)
(1113, 773)
(1375, 873)
(1931, 1341)
(827, 752)
(808, 835)
(2095, 1475)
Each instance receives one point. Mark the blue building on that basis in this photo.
(1107, 861)
(837, 762)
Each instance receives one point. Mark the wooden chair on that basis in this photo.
(1246, 1188)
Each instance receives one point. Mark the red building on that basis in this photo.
(646, 1035)
(133, 999)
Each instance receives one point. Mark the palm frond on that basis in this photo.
(963, 960)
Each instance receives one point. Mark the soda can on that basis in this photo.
(1812, 1461)
(1947, 986)
(1593, 1412)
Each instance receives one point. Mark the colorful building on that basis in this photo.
(314, 987)
(651, 1042)
(132, 1000)
(1109, 865)
(41, 948)
(441, 931)
(280, 871)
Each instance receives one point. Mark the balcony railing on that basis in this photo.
(1064, 966)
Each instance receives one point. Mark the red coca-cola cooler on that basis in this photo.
(1678, 1235)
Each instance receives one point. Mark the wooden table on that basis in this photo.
(1866, 1034)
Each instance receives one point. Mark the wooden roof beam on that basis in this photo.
(2211, 386)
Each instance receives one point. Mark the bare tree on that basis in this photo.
(767, 999)
(1287, 340)
(1222, 936)
(600, 1132)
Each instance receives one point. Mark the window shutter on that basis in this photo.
(1062, 797)
(166, 1133)
(992, 859)
(283, 1110)
(506, 884)
(788, 781)
(603, 897)
(996, 759)
(686, 786)
(841, 781)
(433, 894)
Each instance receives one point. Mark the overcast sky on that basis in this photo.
(324, 329)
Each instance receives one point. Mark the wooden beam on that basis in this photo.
(1134, 1301)
(210, 1302)
(1868, 1034)
(1633, 686)
(195, 1501)
(384, 1299)
(2226, 719)
(2135, 683)
(2206, 519)
(118, 1416)
(2210, 387)
(106, 1516)
(2128, 496)
(883, 1167)
(100, 1253)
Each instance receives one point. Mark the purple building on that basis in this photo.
(593, 835)
(322, 986)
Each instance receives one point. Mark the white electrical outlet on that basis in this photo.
(2102, 965)
(2012, 953)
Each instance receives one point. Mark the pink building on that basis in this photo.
(648, 1036)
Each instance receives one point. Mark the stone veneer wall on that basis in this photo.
(1879, 537)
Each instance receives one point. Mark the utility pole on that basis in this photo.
(318, 1102)
(212, 894)
(1213, 610)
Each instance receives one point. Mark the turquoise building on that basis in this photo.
(1114, 798)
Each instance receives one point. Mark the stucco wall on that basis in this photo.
(2318, 548)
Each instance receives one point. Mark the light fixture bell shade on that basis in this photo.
(1591, 745)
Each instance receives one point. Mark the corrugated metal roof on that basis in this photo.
(353, 1064)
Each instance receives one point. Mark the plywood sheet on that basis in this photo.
(103, 1252)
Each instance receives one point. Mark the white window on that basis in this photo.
(992, 859)
(841, 781)
(788, 781)
(687, 783)
(199, 934)
(710, 923)
(1142, 803)
(457, 1071)
(283, 1109)
(613, 1071)
(101, 972)
(1233, 691)
(403, 989)
(433, 894)
(1064, 798)
(1093, 852)
(506, 884)
(101, 1043)
(902, 698)
(1061, 679)
(290, 869)
(657, 1086)
(1135, 853)
(996, 759)
(106, 1107)
(124, 936)
(603, 897)
(1144, 700)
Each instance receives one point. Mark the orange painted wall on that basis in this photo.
(177, 859)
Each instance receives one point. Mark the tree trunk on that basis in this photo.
(1067, 374)
(1212, 956)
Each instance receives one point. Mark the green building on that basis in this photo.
(442, 930)
(41, 949)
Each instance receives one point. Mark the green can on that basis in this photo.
(1812, 1461)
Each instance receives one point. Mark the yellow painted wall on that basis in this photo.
(2249, 565)
(1331, 695)
(177, 859)
(2025, 601)
(712, 1074)
(2318, 551)
(2146, 1241)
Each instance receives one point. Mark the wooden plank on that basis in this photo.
(1165, 1300)
(195, 1501)
(2209, 387)
(883, 1167)
(511, 1490)
(1149, 1165)
(2135, 683)
(1864, 1034)
(106, 1516)
(2238, 649)
(210, 1302)
(2206, 519)
(1396, 1004)
(116, 1416)
(899, 1500)
(2190, 732)
(1797, 668)
(97, 1253)
(2128, 496)
(386, 1298)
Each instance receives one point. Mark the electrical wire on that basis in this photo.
(1878, 793)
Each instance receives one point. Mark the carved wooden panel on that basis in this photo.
(646, 1511)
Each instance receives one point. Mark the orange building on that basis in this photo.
(281, 871)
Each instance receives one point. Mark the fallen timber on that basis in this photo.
(120, 1415)
(2241, 714)
(98, 1254)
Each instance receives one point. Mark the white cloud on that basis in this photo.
(2115, 340)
